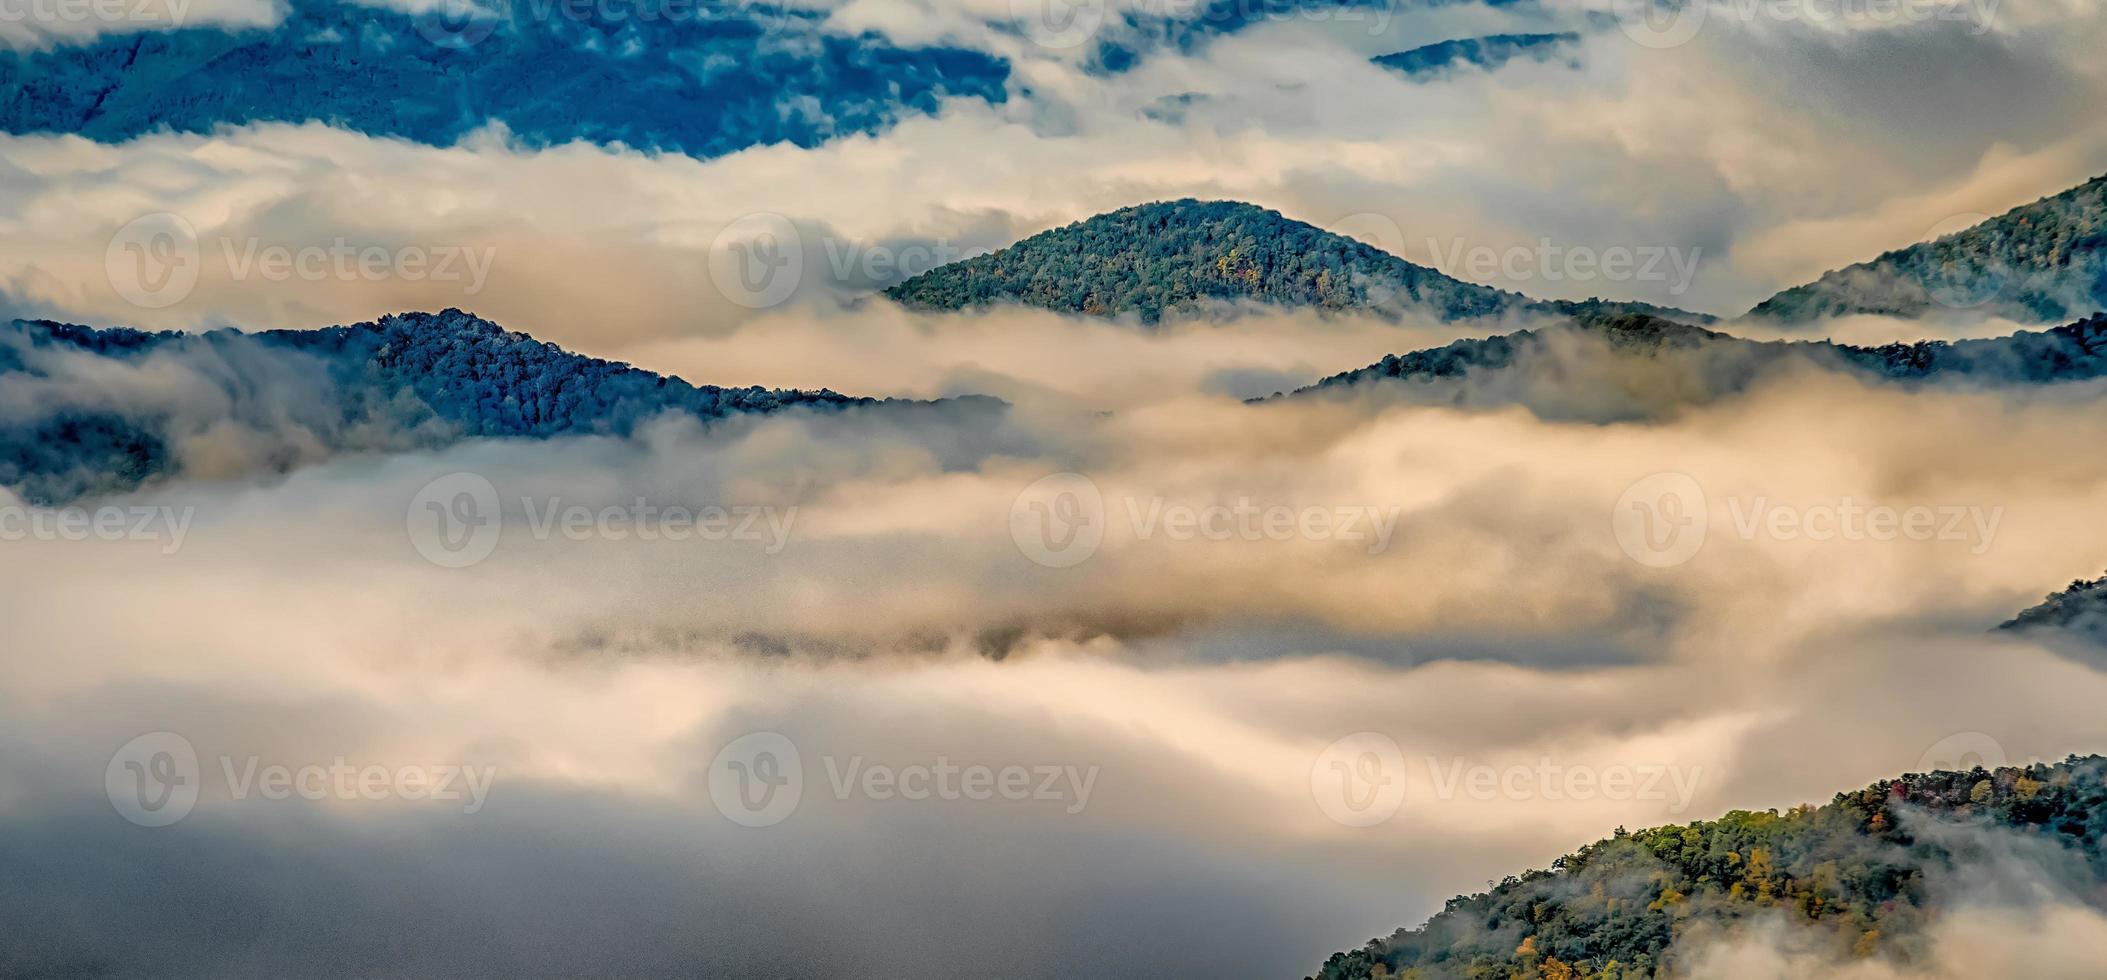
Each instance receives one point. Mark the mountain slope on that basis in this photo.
(1859, 879)
(2040, 263)
(704, 79)
(1489, 52)
(87, 411)
(2079, 611)
(1181, 257)
(1617, 367)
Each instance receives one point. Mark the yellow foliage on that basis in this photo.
(1866, 943)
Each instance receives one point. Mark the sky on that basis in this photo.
(1163, 714)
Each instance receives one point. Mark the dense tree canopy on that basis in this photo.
(2079, 611)
(1182, 257)
(2041, 263)
(1862, 875)
(702, 77)
(1714, 363)
(413, 379)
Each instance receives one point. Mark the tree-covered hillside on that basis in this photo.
(1181, 257)
(703, 78)
(2079, 611)
(2041, 263)
(1859, 877)
(86, 411)
(1675, 363)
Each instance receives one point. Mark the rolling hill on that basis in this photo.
(1187, 257)
(93, 411)
(1858, 879)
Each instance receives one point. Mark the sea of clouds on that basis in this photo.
(898, 603)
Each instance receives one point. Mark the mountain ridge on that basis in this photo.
(1715, 363)
(1488, 52)
(79, 421)
(2078, 610)
(2041, 262)
(1180, 257)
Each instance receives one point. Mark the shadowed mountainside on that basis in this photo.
(86, 411)
(1653, 364)
(2079, 611)
(1489, 52)
(703, 79)
(1185, 257)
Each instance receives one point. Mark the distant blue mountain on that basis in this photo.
(74, 422)
(1489, 53)
(1131, 34)
(718, 77)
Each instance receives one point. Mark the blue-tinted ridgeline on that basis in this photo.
(701, 77)
(1489, 53)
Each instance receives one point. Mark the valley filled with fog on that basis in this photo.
(1203, 494)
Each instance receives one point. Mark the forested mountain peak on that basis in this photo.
(1183, 257)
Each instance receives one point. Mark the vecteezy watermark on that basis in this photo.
(1060, 521)
(758, 780)
(1961, 752)
(1545, 779)
(1971, 281)
(457, 520)
(153, 780)
(1673, 23)
(1359, 780)
(1363, 779)
(155, 260)
(1548, 262)
(1543, 261)
(156, 780)
(163, 523)
(760, 260)
(459, 24)
(1664, 519)
(1059, 25)
(52, 13)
